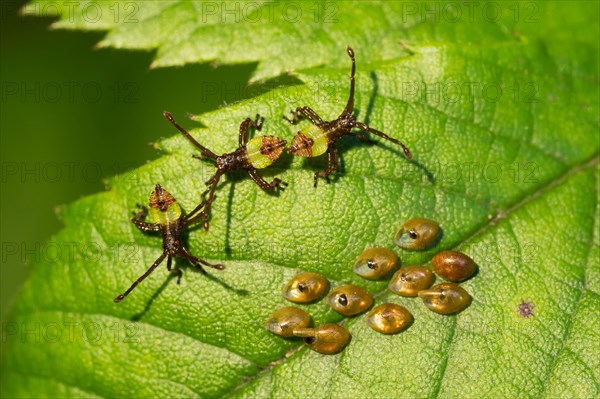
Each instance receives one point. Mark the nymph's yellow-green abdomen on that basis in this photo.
(311, 141)
(172, 213)
(263, 151)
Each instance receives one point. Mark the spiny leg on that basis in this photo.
(305, 112)
(366, 128)
(192, 215)
(191, 218)
(314, 117)
(245, 126)
(177, 271)
(336, 158)
(205, 151)
(142, 277)
(142, 213)
(198, 262)
(138, 220)
(265, 185)
(332, 164)
(258, 121)
(145, 226)
(207, 203)
(364, 138)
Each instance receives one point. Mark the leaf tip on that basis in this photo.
(100, 45)
(155, 64)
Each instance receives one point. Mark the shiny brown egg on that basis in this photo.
(389, 318)
(418, 233)
(349, 300)
(446, 298)
(453, 266)
(327, 339)
(284, 321)
(306, 287)
(409, 280)
(375, 263)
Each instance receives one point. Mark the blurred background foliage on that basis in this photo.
(72, 115)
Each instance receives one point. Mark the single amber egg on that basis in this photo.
(389, 318)
(306, 287)
(408, 281)
(374, 263)
(418, 233)
(285, 320)
(445, 298)
(453, 266)
(327, 339)
(349, 300)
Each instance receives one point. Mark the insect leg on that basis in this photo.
(257, 123)
(312, 116)
(198, 262)
(304, 112)
(144, 226)
(176, 271)
(191, 216)
(366, 128)
(245, 126)
(332, 164)
(207, 203)
(138, 220)
(336, 158)
(265, 185)
(364, 138)
(142, 277)
(243, 137)
(141, 214)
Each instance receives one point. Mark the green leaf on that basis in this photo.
(289, 35)
(511, 177)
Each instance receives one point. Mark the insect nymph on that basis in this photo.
(170, 222)
(321, 137)
(257, 153)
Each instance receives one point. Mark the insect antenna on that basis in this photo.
(142, 277)
(205, 151)
(350, 105)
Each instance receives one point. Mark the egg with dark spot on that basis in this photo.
(327, 339)
(418, 233)
(389, 318)
(409, 280)
(306, 287)
(375, 263)
(349, 300)
(446, 298)
(284, 321)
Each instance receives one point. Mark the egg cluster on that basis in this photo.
(377, 263)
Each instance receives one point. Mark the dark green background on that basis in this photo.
(48, 132)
